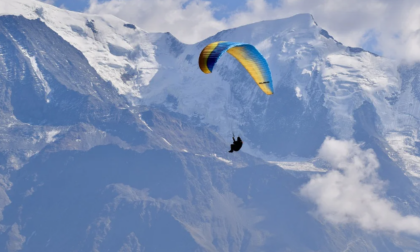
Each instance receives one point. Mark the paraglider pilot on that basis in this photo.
(236, 146)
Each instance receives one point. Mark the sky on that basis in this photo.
(390, 28)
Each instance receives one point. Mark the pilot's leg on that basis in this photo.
(231, 148)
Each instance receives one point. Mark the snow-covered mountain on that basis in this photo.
(112, 139)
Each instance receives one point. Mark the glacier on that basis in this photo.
(112, 139)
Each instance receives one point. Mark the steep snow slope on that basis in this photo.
(107, 42)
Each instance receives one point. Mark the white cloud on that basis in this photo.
(189, 21)
(351, 192)
(394, 24)
(16, 240)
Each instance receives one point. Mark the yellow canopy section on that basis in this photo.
(246, 54)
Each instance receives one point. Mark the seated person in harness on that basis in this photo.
(236, 146)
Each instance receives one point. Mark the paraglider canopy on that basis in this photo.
(246, 54)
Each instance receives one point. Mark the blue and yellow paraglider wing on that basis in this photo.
(255, 64)
(246, 54)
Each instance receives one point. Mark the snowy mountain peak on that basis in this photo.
(125, 56)
(310, 69)
(315, 71)
(110, 44)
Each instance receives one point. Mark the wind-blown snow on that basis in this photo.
(297, 166)
(166, 141)
(222, 159)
